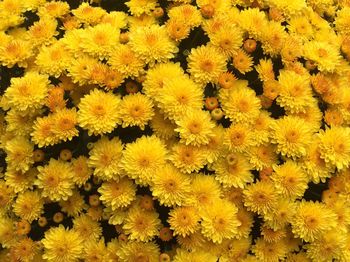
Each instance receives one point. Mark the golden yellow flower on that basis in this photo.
(87, 228)
(140, 7)
(205, 64)
(184, 220)
(62, 245)
(105, 158)
(137, 110)
(56, 180)
(99, 112)
(139, 251)
(19, 154)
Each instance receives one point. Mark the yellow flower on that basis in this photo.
(139, 251)
(141, 225)
(117, 193)
(188, 158)
(56, 180)
(206, 191)
(20, 123)
(233, 170)
(269, 252)
(19, 181)
(65, 121)
(95, 251)
(186, 13)
(195, 127)
(29, 205)
(262, 156)
(43, 31)
(179, 95)
(74, 205)
(62, 245)
(330, 246)
(292, 135)
(162, 127)
(105, 158)
(53, 9)
(289, 9)
(219, 221)
(43, 131)
(194, 255)
(242, 61)
(15, 51)
(170, 186)
(137, 110)
(240, 103)
(152, 44)
(295, 93)
(27, 93)
(260, 197)
(289, 180)
(99, 112)
(246, 220)
(312, 220)
(87, 228)
(326, 56)
(228, 40)
(100, 40)
(158, 75)
(282, 214)
(184, 220)
(88, 14)
(81, 170)
(334, 146)
(238, 138)
(265, 70)
(25, 250)
(144, 157)
(139, 7)
(53, 59)
(124, 60)
(19, 154)
(205, 64)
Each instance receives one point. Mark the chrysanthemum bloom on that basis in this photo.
(237, 249)
(170, 186)
(43, 131)
(289, 180)
(215, 146)
(186, 13)
(62, 245)
(177, 29)
(283, 212)
(87, 228)
(162, 127)
(53, 59)
(246, 220)
(105, 157)
(74, 205)
(262, 156)
(292, 135)
(184, 220)
(7, 231)
(141, 225)
(6, 195)
(20, 123)
(188, 158)
(205, 64)
(312, 220)
(95, 251)
(81, 170)
(20, 181)
(99, 112)
(139, 7)
(80, 68)
(195, 127)
(124, 60)
(117, 193)
(65, 124)
(233, 170)
(295, 93)
(137, 110)
(179, 95)
(240, 104)
(260, 197)
(334, 146)
(24, 249)
(206, 191)
(242, 61)
(19, 154)
(326, 56)
(238, 138)
(269, 252)
(54, 9)
(27, 92)
(328, 247)
(100, 40)
(273, 37)
(265, 70)
(152, 44)
(219, 221)
(272, 235)
(15, 51)
(28, 205)
(227, 39)
(194, 255)
(144, 157)
(158, 75)
(56, 180)
(139, 251)
(88, 14)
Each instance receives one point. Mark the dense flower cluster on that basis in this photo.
(175, 130)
